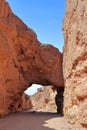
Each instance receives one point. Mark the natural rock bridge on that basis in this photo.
(23, 61)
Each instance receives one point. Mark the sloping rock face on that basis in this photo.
(26, 102)
(44, 99)
(75, 61)
(23, 61)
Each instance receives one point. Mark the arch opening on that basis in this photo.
(40, 98)
(32, 89)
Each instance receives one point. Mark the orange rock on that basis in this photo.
(23, 61)
(75, 61)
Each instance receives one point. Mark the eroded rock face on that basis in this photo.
(44, 99)
(23, 61)
(75, 61)
(26, 102)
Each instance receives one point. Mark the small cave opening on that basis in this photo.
(38, 98)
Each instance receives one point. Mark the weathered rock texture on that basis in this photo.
(23, 61)
(26, 102)
(44, 99)
(75, 61)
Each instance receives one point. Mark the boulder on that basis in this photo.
(75, 61)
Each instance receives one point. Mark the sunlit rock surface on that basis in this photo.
(23, 61)
(44, 99)
(75, 61)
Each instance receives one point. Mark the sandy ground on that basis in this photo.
(26, 121)
(35, 121)
(60, 123)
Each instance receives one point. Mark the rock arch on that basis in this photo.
(23, 60)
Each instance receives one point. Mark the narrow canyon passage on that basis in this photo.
(45, 99)
(24, 61)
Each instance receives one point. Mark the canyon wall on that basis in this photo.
(23, 61)
(75, 61)
(44, 99)
(26, 102)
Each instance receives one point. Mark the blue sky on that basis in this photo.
(45, 18)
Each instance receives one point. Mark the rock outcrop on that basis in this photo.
(44, 99)
(23, 61)
(26, 102)
(75, 61)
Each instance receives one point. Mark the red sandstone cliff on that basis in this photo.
(23, 61)
(75, 61)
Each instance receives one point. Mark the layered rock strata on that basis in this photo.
(75, 61)
(23, 61)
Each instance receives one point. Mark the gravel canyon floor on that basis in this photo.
(36, 121)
